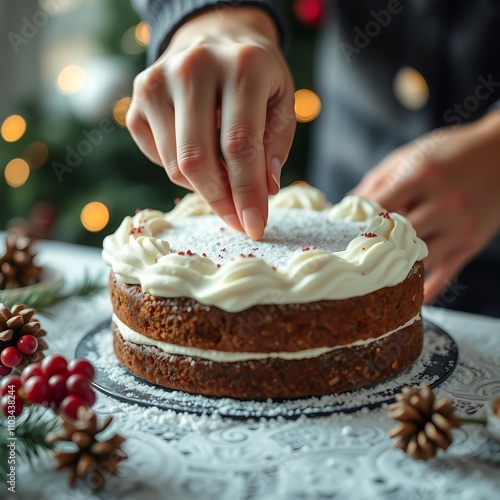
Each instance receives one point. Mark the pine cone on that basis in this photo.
(93, 459)
(425, 423)
(16, 265)
(16, 322)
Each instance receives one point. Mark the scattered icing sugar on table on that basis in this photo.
(206, 413)
(287, 231)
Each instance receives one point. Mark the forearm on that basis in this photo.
(165, 16)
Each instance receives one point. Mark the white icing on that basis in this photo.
(300, 195)
(345, 264)
(231, 357)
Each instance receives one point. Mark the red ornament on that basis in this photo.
(310, 12)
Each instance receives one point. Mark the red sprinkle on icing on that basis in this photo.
(223, 249)
(137, 230)
(255, 249)
(181, 253)
(189, 253)
(305, 249)
(274, 268)
(218, 265)
(385, 215)
(222, 228)
(204, 254)
(369, 235)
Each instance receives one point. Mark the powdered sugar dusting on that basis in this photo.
(287, 231)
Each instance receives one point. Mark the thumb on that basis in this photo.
(280, 130)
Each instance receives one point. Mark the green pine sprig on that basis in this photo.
(29, 434)
(41, 301)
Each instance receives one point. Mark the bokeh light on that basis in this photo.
(130, 42)
(36, 154)
(411, 88)
(71, 79)
(142, 33)
(307, 105)
(16, 172)
(309, 11)
(94, 216)
(120, 110)
(13, 128)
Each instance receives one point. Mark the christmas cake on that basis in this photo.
(328, 301)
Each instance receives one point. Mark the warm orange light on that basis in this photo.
(411, 88)
(142, 33)
(36, 154)
(94, 216)
(16, 172)
(71, 79)
(120, 110)
(307, 105)
(13, 128)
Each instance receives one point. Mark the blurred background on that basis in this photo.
(69, 169)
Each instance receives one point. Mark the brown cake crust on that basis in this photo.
(269, 328)
(337, 371)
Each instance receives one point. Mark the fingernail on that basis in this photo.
(276, 167)
(232, 221)
(253, 223)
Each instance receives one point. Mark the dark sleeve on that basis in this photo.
(165, 16)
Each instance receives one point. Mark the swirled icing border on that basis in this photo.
(381, 256)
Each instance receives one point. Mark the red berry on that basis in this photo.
(8, 382)
(31, 371)
(11, 356)
(57, 388)
(27, 344)
(89, 396)
(11, 406)
(54, 365)
(4, 370)
(78, 385)
(70, 404)
(37, 389)
(83, 367)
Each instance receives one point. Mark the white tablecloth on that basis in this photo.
(176, 456)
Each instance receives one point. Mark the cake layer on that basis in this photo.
(336, 371)
(266, 327)
(230, 357)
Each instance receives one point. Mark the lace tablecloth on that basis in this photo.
(180, 456)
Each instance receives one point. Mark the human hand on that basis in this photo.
(448, 185)
(222, 69)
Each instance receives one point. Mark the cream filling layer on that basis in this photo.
(231, 357)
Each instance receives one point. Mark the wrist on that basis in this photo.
(240, 23)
